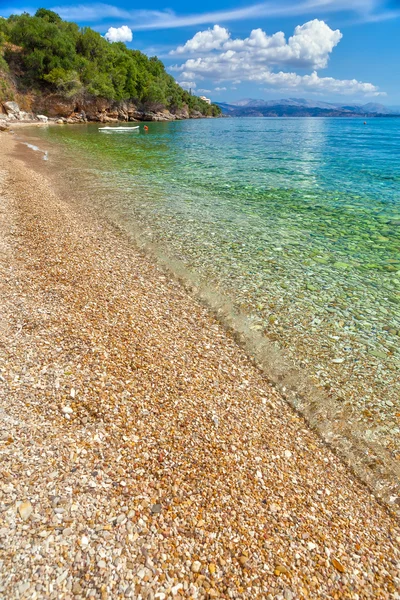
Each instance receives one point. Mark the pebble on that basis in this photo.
(196, 566)
(311, 546)
(281, 570)
(154, 365)
(338, 565)
(25, 510)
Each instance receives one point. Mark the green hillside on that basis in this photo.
(44, 54)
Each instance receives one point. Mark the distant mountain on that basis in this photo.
(301, 107)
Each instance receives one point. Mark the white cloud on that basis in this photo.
(141, 19)
(220, 89)
(314, 83)
(203, 91)
(310, 46)
(254, 58)
(90, 12)
(119, 34)
(211, 39)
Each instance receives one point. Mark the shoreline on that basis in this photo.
(173, 441)
(375, 464)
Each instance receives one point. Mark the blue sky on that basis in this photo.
(332, 50)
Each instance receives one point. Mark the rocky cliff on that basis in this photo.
(57, 108)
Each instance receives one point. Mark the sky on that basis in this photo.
(345, 51)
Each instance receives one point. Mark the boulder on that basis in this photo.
(60, 122)
(4, 127)
(26, 116)
(182, 113)
(42, 118)
(123, 115)
(11, 108)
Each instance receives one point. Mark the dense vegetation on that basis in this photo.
(46, 53)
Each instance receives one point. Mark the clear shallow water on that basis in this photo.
(296, 221)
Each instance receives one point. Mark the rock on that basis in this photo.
(156, 509)
(11, 108)
(25, 510)
(212, 568)
(42, 118)
(378, 354)
(288, 454)
(67, 410)
(23, 587)
(76, 588)
(281, 570)
(243, 560)
(196, 566)
(311, 546)
(4, 127)
(338, 565)
(274, 508)
(60, 122)
(175, 589)
(26, 116)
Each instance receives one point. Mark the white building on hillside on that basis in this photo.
(205, 99)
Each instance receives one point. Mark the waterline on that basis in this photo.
(290, 229)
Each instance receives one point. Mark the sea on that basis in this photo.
(290, 230)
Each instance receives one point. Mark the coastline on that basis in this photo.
(176, 451)
(287, 354)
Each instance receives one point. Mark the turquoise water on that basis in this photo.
(295, 221)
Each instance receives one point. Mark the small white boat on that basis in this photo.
(119, 128)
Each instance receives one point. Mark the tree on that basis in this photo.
(50, 54)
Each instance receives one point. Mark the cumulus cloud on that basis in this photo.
(309, 46)
(220, 58)
(220, 89)
(119, 34)
(211, 39)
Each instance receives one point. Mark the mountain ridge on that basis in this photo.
(302, 107)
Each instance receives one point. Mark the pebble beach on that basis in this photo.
(143, 454)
